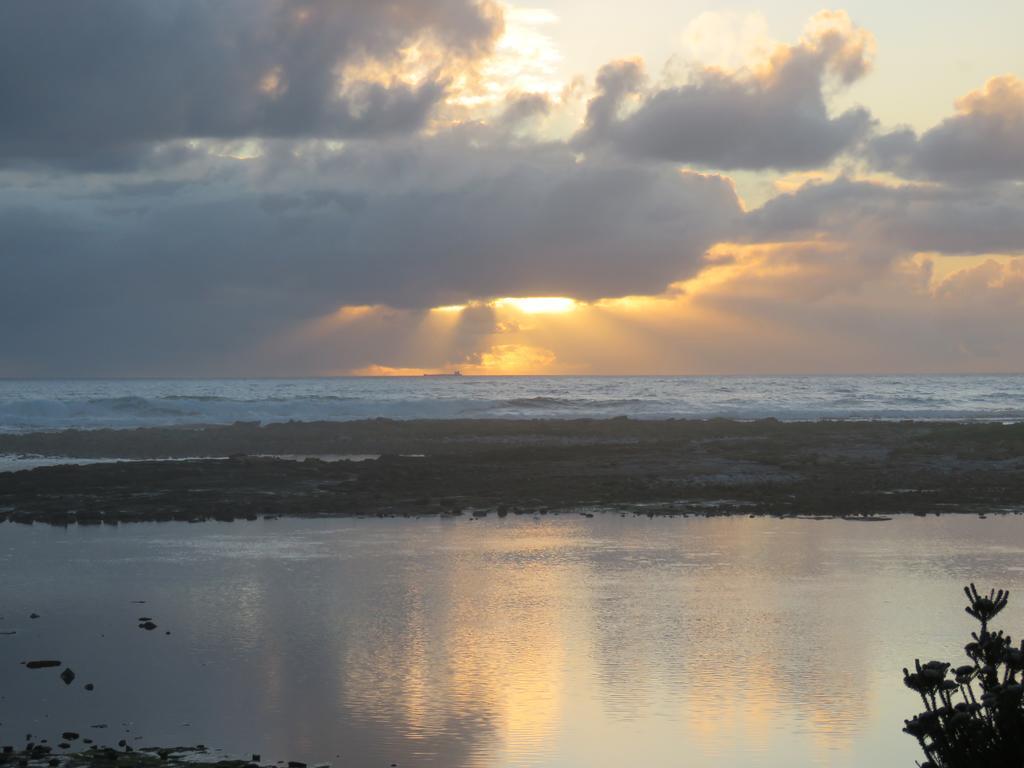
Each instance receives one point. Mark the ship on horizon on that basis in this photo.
(449, 373)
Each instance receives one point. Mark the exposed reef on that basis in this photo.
(849, 469)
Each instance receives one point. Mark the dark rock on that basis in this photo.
(89, 686)
(69, 735)
(42, 664)
(68, 676)
(149, 626)
(296, 764)
(33, 615)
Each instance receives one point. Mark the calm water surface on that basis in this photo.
(560, 642)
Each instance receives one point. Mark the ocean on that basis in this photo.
(37, 405)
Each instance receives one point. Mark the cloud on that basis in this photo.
(759, 308)
(895, 219)
(229, 281)
(102, 84)
(983, 142)
(804, 308)
(822, 308)
(988, 281)
(268, 244)
(615, 81)
(280, 209)
(521, 107)
(771, 116)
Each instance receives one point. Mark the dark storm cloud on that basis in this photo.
(773, 118)
(899, 219)
(101, 84)
(412, 224)
(983, 142)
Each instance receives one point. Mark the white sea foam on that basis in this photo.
(27, 406)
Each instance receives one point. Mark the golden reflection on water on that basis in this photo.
(491, 645)
(769, 662)
(535, 638)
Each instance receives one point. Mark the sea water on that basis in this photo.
(31, 405)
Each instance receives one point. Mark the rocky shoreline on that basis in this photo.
(67, 756)
(833, 469)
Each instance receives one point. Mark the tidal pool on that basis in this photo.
(563, 641)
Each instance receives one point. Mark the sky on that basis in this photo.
(336, 187)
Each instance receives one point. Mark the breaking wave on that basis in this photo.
(51, 405)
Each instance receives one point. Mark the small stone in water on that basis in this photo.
(42, 664)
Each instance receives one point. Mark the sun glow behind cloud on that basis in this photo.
(539, 305)
(525, 60)
(749, 302)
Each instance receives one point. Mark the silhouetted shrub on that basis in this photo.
(973, 716)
